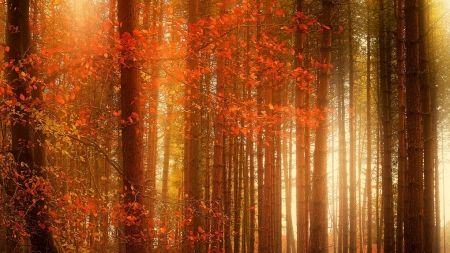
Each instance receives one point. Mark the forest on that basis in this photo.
(290, 126)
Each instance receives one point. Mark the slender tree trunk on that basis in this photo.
(414, 241)
(369, 144)
(268, 176)
(361, 202)
(246, 228)
(343, 185)
(218, 164)
(319, 219)
(166, 163)
(152, 114)
(428, 157)
(301, 185)
(228, 200)
(192, 132)
(387, 195)
(379, 217)
(352, 132)
(250, 149)
(402, 159)
(237, 182)
(437, 233)
(132, 139)
(287, 185)
(277, 174)
(259, 155)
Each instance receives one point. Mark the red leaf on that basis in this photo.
(280, 12)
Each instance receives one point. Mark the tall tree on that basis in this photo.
(401, 126)
(132, 139)
(414, 241)
(27, 144)
(218, 164)
(385, 90)
(343, 182)
(319, 218)
(369, 141)
(427, 117)
(192, 132)
(301, 178)
(352, 130)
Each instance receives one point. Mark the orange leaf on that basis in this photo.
(169, 10)
(107, 25)
(60, 99)
(7, 49)
(280, 13)
(67, 197)
(41, 225)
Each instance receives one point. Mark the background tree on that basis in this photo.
(319, 224)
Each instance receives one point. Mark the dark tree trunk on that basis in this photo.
(385, 89)
(402, 159)
(30, 159)
(319, 217)
(301, 185)
(428, 158)
(369, 147)
(352, 132)
(414, 241)
(343, 184)
(132, 131)
(192, 133)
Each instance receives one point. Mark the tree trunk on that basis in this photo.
(414, 241)
(387, 196)
(132, 131)
(352, 132)
(301, 185)
(369, 147)
(428, 157)
(192, 132)
(401, 127)
(218, 163)
(319, 219)
(30, 160)
(343, 185)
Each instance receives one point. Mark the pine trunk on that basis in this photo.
(319, 217)
(401, 127)
(414, 241)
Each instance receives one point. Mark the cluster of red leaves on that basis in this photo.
(78, 75)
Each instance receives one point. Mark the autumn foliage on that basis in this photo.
(77, 119)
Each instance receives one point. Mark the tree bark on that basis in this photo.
(132, 132)
(319, 218)
(369, 146)
(414, 241)
(300, 150)
(27, 142)
(192, 133)
(352, 132)
(387, 195)
(401, 126)
(428, 157)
